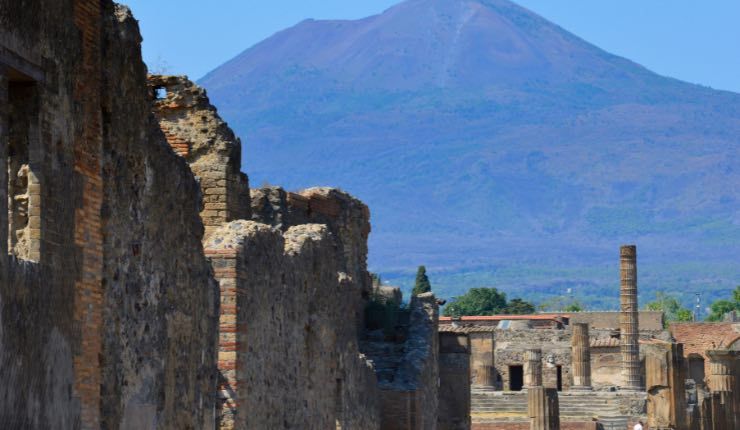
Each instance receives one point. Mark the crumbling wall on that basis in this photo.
(108, 321)
(409, 397)
(665, 385)
(294, 365)
(196, 132)
(556, 352)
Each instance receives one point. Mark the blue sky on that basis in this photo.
(696, 41)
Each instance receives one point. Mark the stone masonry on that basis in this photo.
(107, 313)
(196, 132)
(308, 294)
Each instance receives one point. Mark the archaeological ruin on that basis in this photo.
(601, 370)
(144, 285)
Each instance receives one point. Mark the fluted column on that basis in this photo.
(580, 357)
(628, 324)
(533, 368)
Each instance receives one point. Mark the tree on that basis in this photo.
(573, 307)
(519, 307)
(477, 301)
(422, 284)
(722, 307)
(671, 308)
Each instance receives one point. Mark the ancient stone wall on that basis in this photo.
(197, 133)
(697, 338)
(648, 320)
(106, 312)
(409, 396)
(295, 360)
(555, 345)
(347, 218)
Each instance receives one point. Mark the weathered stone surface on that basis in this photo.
(297, 362)
(196, 132)
(110, 321)
(665, 383)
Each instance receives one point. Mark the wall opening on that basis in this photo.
(160, 93)
(24, 188)
(560, 378)
(516, 378)
(696, 369)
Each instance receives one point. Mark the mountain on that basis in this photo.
(497, 148)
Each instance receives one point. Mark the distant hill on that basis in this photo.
(497, 148)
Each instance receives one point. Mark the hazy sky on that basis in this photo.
(696, 41)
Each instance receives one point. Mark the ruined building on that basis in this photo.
(143, 285)
(605, 370)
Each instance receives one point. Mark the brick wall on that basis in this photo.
(697, 338)
(224, 264)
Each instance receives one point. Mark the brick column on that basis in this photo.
(88, 146)
(722, 367)
(628, 324)
(224, 263)
(581, 357)
(533, 368)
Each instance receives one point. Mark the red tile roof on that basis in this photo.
(509, 317)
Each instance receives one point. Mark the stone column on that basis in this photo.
(628, 325)
(666, 389)
(542, 403)
(533, 368)
(580, 357)
(722, 366)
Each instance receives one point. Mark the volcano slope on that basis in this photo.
(496, 148)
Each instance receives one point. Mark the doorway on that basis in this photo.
(516, 378)
(560, 378)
